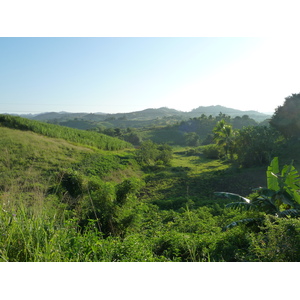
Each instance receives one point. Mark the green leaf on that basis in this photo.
(272, 178)
(247, 221)
(289, 213)
(291, 176)
(264, 192)
(241, 205)
(265, 204)
(294, 196)
(286, 198)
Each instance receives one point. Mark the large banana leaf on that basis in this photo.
(291, 177)
(272, 178)
(295, 196)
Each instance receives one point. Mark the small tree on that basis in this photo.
(192, 139)
(151, 153)
(147, 153)
(165, 153)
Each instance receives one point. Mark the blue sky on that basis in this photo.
(110, 74)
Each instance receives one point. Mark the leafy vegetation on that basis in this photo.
(286, 117)
(74, 195)
(99, 141)
(281, 198)
(150, 154)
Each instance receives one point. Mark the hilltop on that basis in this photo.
(148, 114)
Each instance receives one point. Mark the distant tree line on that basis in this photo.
(257, 145)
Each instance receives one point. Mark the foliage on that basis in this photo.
(192, 131)
(286, 117)
(108, 204)
(96, 164)
(128, 134)
(150, 154)
(82, 137)
(211, 151)
(281, 198)
(61, 202)
(255, 145)
(244, 121)
(277, 241)
(192, 139)
(224, 136)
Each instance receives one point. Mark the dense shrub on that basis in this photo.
(278, 241)
(256, 145)
(211, 151)
(150, 154)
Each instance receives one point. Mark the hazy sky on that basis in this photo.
(128, 74)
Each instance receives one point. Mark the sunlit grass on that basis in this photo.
(196, 164)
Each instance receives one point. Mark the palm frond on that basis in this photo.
(289, 213)
(267, 205)
(232, 196)
(247, 221)
(264, 192)
(241, 205)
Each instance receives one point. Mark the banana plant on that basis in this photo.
(281, 198)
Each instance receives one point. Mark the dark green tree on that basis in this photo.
(151, 154)
(147, 153)
(256, 145)
(286, 118)
(192, 139)
(165, 154)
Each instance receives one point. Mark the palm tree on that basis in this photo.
(224, 136)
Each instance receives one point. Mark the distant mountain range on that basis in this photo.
(149, 114)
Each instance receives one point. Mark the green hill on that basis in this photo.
(77, 136)
(71, 195)
(147, 117)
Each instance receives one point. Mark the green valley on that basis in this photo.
(149, 194)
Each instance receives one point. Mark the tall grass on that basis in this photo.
(78, 136)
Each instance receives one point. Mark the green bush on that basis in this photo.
(211, 151)
(278, 241)
(150, 154)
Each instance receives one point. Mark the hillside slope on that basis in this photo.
(78, 136)
(31, 163)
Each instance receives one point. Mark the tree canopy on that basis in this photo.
(286, 118)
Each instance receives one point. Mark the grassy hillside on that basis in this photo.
(64, 198)
(77, 136)
(30, 162)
